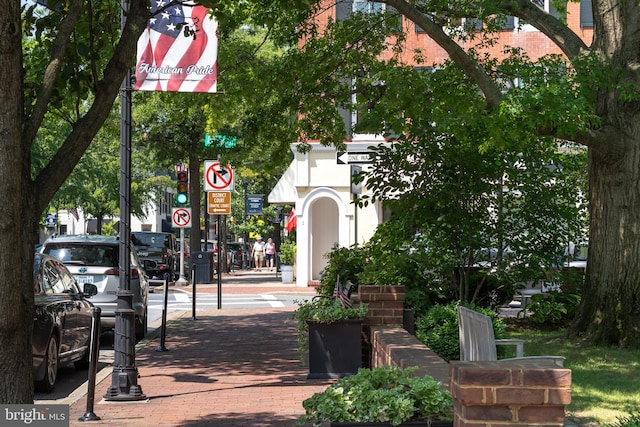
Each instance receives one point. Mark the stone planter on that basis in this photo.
(405, 424)
(335, 349)
(287, 273)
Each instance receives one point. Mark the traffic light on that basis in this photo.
(182, 185)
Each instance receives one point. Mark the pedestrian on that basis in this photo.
(270, 253)
(258, 253)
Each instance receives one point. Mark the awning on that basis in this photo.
(285, 190)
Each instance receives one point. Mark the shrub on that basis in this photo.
(632, 420)
(383, 394)
(438, 329)
(287, 253)
(553, 308)
(322, 310)
(345, 264)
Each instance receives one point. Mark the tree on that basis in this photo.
(588, 95)
(62, 63)
(93, 185)
(597, 109)
(69, 62)
(473, 209)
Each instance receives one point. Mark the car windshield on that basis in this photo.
(155, 240)
(78, 254)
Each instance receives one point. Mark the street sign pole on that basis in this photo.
(219, 272)
(182, 280)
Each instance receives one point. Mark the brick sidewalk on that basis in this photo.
(231, 367)
(238, 367)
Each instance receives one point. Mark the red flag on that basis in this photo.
(292, 222)
(169, 60)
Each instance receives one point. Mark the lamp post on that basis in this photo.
(124, 377)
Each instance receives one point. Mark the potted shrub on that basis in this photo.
(332, 335)
(382, 396)
(287, 259)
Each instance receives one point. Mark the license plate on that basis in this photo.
(84, 279)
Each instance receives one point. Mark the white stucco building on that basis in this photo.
(319, 186)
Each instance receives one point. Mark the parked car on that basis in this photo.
(95, 259)
(62, 321)
(161, 248)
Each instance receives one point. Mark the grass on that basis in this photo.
(605, 381)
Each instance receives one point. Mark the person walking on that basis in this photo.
(270, 253)
(258, 253)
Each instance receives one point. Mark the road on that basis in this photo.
(178, 299)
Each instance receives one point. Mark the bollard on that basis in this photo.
(163, 327)
(193, 296)
(94, 348)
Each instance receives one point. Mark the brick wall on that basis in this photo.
(396, 347)
(523, 393)
(386, 304)
(486, 394)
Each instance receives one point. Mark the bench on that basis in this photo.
(478, 342)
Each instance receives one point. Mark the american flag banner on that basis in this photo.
(169, 60)
(339, 293)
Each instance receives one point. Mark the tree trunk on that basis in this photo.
(610, 309)
(16, 288)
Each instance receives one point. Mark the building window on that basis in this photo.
(368, 6)
(586, 14)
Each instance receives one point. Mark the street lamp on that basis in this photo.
(124, 377)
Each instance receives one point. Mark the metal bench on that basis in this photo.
(478, 342)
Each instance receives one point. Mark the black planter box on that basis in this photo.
(335, 349)
(404, 424)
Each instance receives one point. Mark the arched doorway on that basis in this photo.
(323, 222)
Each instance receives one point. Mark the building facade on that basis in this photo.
(319, 186)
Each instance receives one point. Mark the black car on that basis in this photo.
(62, 321)
(160, 248)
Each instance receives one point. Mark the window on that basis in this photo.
(368, 6)
(586, 14)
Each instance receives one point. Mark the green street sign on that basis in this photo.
(220, 141)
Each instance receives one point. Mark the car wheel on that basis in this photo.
(51, 367)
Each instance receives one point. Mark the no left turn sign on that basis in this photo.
(217, 177)
(181, 217)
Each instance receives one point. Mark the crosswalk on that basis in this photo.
(183, 301)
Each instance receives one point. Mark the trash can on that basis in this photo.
(202, 263)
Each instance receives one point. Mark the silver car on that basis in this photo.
(95, 259)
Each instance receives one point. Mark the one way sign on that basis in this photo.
(353, 157)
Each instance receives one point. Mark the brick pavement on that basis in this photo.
(229, 367)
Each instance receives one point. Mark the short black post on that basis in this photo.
(193, 293)
(163, 327)
(94, 349)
